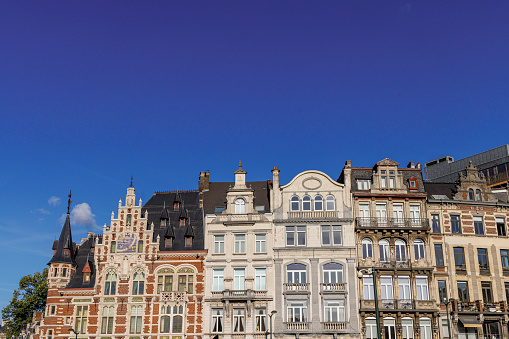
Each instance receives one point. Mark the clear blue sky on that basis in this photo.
(92, 92)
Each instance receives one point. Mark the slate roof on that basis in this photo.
(82, 256)
(64, 242)
(367, 173)
(216, 195)
(189, 207)
(435, 189)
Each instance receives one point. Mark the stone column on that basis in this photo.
(315, 296)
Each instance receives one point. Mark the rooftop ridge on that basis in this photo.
(179, 191)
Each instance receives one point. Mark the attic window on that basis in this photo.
(66, 252)
(412, 183)
(176, 206)
(163, 222)
(86, 277)
(92, 250)
(240, 206)
(182, 222)
(219, 209)
(168, 242)
(470, 194)
(189, 241)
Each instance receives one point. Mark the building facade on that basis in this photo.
(471, 256)
(239, 265)
(392, 237)
(314, 258)
(142, 278)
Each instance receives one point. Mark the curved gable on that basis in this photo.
(312, 180)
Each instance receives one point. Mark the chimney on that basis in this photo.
(275, 200)
(203, 185)
(411, 164)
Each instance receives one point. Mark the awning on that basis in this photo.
(469, 321)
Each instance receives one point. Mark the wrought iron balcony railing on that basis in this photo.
(408, 223)
(399, 304)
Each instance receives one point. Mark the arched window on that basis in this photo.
(296, 273)
(110, 287)
(138, 283)
(419, 249)
(367, 248)
(318, 203)
(306, 203)
(478, 195)
(294, 203)
(383, 246)
(332, 274)
(470, 194)
(330, 204)
(400, 250)
(240, 206)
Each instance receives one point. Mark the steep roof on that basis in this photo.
(216, 195)
(192, 211)
(84, 257)
(437, 190)
(64, 243)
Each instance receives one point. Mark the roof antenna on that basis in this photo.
(69, 202)
(131, 181)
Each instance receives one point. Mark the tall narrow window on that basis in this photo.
(136, 319)
(386, 287)
(239, 320)
(463, 291)
(392, 180)
(405, 295)
(455, 224)
(501, 230)
(482, 257)
(407, 328)
(306, 203)
(364, 214)
(487, 295)
(113, 246)
(442, 291)
(217, 280)
(107, 320)
(260, 279)
(367, 248)
(383, 179)
(260, 243)
(381, 214)
(140, 246)
(240, 243)
(435, 222)
(219, 244)
(425, 328)
(390, 328)
(240, 206)
(400, 246)
(294, 203)
(330, 203)
(367, 285)
(371, 332)
(318, 203)
(419, 249)
(422, 288)
(397, 213)
(383, 246)
(80, 325)
(478, 225)
(478, 195)
(504, 256)
(138, 283)
(239, 278)
(415, 215)
(110, 287)
(459, 258)
(470, 194)
(261, 320)
(439, 255)
(217, 320)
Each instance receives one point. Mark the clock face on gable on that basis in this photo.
(126, 243)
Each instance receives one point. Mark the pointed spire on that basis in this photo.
(164, 213)
(189, 230)
(240, 170)
(65, 249)
(131, 185)
(170, 232)
(183, 212)
(69, 202)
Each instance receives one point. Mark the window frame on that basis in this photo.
(482, 259)
(367, 248)
(297, 232)
(260, 244)
(294, 204)
(439, 255)
(239, 244)
(110, 284)
(328, 201)
(306, 203)
(218, 279)
(419, 249)
(219, 244)
(240, 206)
(260, 279)
(318, 200)
(138, 284)
(217, 320)
(455, 224)
(331, 233)
(435, 223)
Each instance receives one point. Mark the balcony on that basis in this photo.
(173, 296)
(479, 306)
(313, 215)
(240, 295)
(390, 223)
(333, 326)
(399, 305)
(333, 287)
(296, 287)
(422, 263)
(240, 218)
(297, 326)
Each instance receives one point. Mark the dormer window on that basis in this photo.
(363, 184)
(66, 252)
(176, 206)
(92, 250)
(240, 206)
(412, 183)
(86, 277)
(182, 221)
(168, 242)
(383, 179)
(163, 222)
(392, 179)
(189, 241)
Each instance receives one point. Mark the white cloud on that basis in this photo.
(53, 201)
(82, 215)
(40, 210)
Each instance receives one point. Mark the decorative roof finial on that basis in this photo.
(240, 164)
(131, 181)
(69, 202)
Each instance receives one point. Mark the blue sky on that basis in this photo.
(94, 92)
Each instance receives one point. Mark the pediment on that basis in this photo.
(387, 162)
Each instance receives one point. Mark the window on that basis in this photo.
(459, 258)
(381, 214)
(363, 184)
(138, 283)
(86, 277)
(400, 246)
(389, 328)
(412, 183)
(435, 223)
(260, 279)
(186, 283)
(506, 285)
(295, 235)
(482, 257)
(415, 214)
(419, 249)
(422, 288)
(239, 320)
(261, 320)
(383, 246)
(140, 246)
(455, 224)
(80, 325)
(240, 206)
(334, 311)
(367, 284)
(182, 222)
(463, 291)
(439, 255)
(164, 283)
(478, 226)
(470, 194)
(383, 179)
(66, 252)
(442, 291)
(487, 296)
(318, 203)
(371, 332)
(501, 230)
(113, 246)
(110, 287)
(392, 180)
(50, 334)
(168, 242)
(136, 316)
(128, 220)
(219, 244)
(306, 203)
(405, 296)
(239, 278)
(178, 319)
(64, 272)
(425, 328)
(297, 311)
(364, 214)
(386, 287)
(367, 248)
(330, 204)
(296, 273)
(407, 328)
(260, 243)
(240, 243)
(332, 273)
(165, 319)
(478, 195)
(53, 309)
(294, 203)
(397, 213)
(107, 320)
(217, 320)
(217, 280)
(504, 256)
(331, 235)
